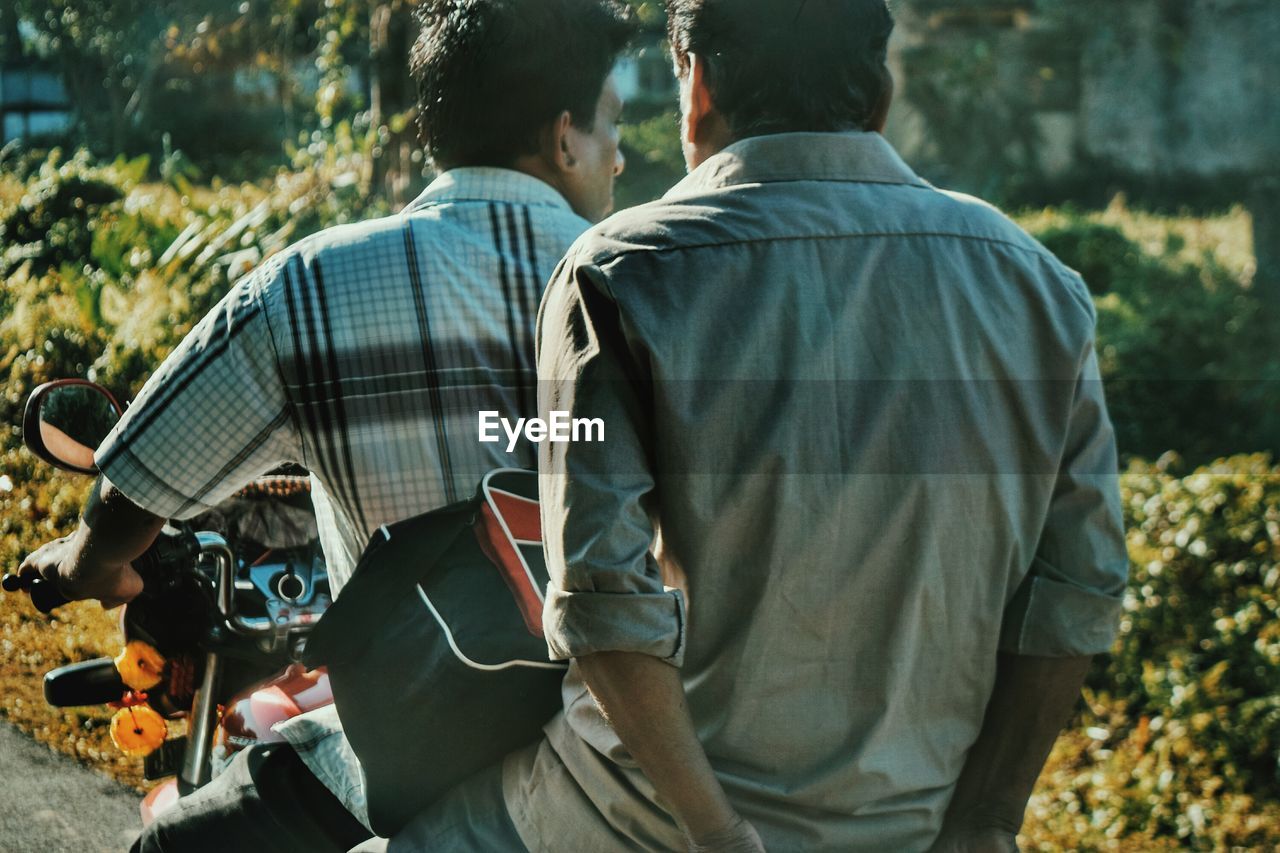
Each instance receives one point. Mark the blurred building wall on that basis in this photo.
(1188, 87)
(1153, 88)
(33, 101)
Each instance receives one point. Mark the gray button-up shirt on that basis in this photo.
(855, 443)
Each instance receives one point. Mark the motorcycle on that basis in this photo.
(227, 602)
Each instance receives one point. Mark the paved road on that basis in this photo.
(49, 803)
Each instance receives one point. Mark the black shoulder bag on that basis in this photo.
(435, 649)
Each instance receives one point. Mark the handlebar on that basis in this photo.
(45, 595)
(164, 552)
(245, 626)
(155, 565)
(90, 682)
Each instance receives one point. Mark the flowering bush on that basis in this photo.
(1178, 745)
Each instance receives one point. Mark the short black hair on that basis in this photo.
(779, 66)
(492, 73)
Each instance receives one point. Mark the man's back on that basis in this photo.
(861, 393)
(364, 353)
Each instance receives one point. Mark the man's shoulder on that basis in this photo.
(431, 224)
(367, 234)
(971, 218)
(664, 225)
(751, 213)
(976, 217)
(744, 213)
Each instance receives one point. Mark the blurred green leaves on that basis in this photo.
(104, 274)
(1184, 345)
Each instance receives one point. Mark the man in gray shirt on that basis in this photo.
(834, 577)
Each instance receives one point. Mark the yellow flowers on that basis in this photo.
(140, 666)
(138, 730)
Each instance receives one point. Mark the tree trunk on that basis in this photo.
(379, 20)
(391, 92)
(11, 49)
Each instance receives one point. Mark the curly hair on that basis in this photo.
(492, 73)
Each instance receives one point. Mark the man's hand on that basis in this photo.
(94, 562)
(644, 701)
(1030, 703)
(739, 837)
(60, 562)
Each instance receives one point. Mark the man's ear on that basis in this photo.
(700, 107)
(703, 128)
(559, 145)
(880, 114)
(556, 155)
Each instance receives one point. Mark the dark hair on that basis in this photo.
(492, 73)
(778, 66)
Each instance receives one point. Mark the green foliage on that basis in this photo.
(651, 144)
(1200, 641)
(112, 55)
(981, 132)
(1184, 346)
(36, 505)
(219, 78)
(1098, 252)
(50, 225)
(104, 274)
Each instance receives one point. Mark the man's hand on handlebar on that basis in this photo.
(63, 563)
(95, 561)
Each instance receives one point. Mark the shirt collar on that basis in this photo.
(859, 157)
(483, 183)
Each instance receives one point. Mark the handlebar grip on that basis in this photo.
(46, 596)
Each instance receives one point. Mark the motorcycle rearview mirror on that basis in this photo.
(90, 682)
(66, 420)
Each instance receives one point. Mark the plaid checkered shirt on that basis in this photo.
(363, 353)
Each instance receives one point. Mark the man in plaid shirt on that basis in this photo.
(365, 353)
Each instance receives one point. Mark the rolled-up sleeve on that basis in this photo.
(606, 591)
(212, 417)
(1069, 603)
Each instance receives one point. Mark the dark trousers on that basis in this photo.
(266, 801)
